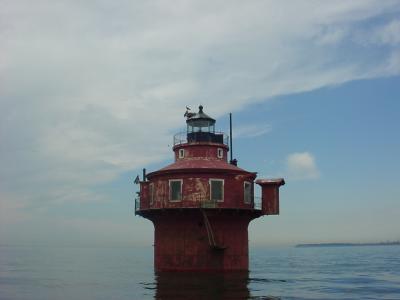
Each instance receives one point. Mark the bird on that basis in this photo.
(187, 113)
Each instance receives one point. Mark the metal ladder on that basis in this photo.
(210, 233)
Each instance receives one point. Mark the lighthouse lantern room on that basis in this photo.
(201, 204)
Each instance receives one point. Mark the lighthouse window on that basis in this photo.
(175, 190)
(220, 153)
(217, 189)
(181, 153)
(247, 192)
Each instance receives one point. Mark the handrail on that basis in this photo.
(137, 204)
(202, 203)
(257, 203)
(181, 138)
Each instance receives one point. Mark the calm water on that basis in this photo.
(126, 273)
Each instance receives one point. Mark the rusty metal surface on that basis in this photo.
(195, 165)
(196, 191)
(152, 213)
(201, 151)
(270, 199)
(272, 181)
(193, 232)
(182, 244)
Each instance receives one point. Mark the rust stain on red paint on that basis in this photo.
(187, 228)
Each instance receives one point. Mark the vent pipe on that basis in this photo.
(231, 138)
(144, 174)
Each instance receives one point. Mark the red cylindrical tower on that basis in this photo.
(201, 205)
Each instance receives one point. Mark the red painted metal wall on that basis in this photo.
(191, 235)
(270, 195)
(196, 190)
(201, 150)
(181, 242)
(270, 200)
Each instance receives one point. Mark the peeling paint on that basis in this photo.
(188, 231)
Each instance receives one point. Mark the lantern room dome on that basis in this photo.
(201, 127)
(200, 119)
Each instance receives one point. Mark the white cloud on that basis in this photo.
(89, 90)
(386, 34)
(251, 130)
(331, 36)
(301, 166)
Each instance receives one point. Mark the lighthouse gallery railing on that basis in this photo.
(181, 138)
(205, 203)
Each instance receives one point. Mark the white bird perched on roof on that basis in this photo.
(187, 113)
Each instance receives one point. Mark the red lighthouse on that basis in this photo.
(201, 204)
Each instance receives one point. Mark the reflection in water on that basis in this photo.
(202, 286)
(174, 285)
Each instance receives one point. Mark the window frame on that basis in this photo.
(220, 150)
(181, 153)
(251, 197)
(170, 189)
(222, 189)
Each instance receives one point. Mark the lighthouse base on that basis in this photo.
(185, 242)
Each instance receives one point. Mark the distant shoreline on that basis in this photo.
(347, 244)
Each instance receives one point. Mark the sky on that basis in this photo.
(91, 92)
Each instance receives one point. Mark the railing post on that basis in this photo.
(135, 205)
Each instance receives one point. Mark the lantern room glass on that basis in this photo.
(201, 126)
